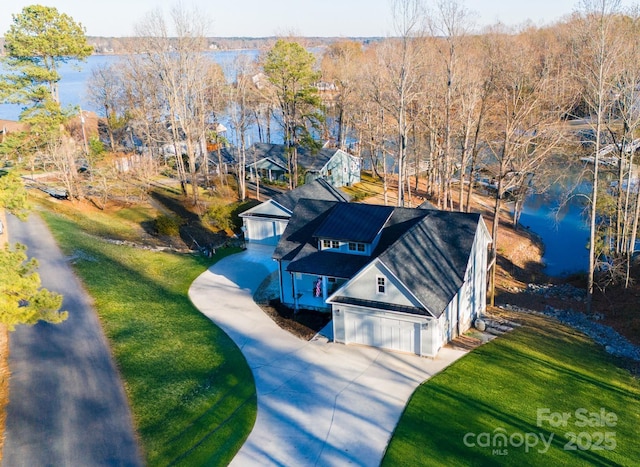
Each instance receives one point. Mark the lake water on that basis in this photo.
(565, 232)
(75, 76)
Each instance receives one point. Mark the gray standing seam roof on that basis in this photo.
(354, 222)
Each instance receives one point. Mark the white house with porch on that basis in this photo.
(403, 279)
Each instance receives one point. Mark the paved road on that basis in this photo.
(68, 406)
(319, 403)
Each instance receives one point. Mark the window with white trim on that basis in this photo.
(330, 244)
(381, 286)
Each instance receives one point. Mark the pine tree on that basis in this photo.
(22, 299)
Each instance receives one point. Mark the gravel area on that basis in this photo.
(610, 339)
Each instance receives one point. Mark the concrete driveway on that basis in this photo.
(67, 404)
(319, 403)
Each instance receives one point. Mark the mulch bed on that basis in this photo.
(304, 324)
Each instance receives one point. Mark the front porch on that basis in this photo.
(311, 291)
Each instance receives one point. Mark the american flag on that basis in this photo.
(317, 292)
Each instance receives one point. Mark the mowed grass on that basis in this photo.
(191, 391)
(483, 410)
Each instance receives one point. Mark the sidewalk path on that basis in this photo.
(319, 403)
(67, 403)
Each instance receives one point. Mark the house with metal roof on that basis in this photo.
(336, 166)
(265, 222)
(404, 279)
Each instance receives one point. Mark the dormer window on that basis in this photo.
(356, 246)
(330, 244)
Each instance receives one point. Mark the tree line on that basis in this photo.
(438, 106)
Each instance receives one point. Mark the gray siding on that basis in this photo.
(342, 170)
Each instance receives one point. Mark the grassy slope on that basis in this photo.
(191, 391)
(502, 385)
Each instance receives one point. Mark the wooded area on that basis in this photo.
(503, 109)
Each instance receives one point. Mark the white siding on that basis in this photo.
(286, 295)
(365, 287)
(264, 223)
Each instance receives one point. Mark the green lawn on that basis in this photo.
(510, 387)
(191, 390)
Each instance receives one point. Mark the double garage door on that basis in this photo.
(377, 330)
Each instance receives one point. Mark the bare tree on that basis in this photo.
(523, 130)
(182, 68)
(449, 24)
(341, 65)
(61, 153)
(105, 88)
(242, 115)
(597, 57)
(399, 66)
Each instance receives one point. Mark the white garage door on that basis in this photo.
(382, 331)
(264, 231)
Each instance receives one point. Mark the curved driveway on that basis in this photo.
(67, 404)
(319, 403)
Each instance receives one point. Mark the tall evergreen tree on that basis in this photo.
(38, 41)
(289, 68)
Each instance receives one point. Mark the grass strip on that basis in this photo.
(191, 391)
(494, 406)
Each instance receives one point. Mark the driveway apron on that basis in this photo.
(319, 403)
(67, 403)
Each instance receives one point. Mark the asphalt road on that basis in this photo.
(67, 403)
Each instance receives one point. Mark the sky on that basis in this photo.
(259, 18)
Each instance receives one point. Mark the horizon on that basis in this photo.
(257, 19)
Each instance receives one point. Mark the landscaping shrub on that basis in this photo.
(168, 225)
(219, 215)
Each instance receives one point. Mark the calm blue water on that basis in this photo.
(73, 84)
(565, 233)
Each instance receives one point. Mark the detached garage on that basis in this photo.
(266, 222)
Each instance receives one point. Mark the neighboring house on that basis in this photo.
(222, 160)
(403, 279)
(334, 165)
(265, 222)
(11, 126)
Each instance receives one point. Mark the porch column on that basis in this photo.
(325, 287)
(294, 288)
